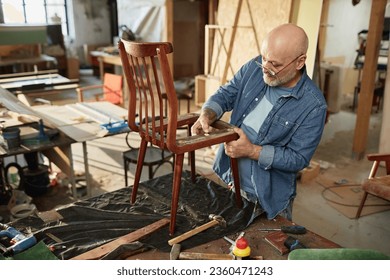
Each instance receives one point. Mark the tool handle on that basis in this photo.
(192, 232)
(293, 229)
(204, 256)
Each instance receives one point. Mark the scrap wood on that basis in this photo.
(310, 172)
(99, 252)
(23, 118)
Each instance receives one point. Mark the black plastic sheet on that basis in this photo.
(95, 221)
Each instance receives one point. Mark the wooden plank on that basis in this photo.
(61, 157)
(310, 172)
(374, 37)
(266, 15)
(128, 238)
(231, 43)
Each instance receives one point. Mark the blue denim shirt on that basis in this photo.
(289, 135)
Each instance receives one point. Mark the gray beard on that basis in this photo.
(276, 81)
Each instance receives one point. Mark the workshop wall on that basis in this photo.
(234, 47)
(91, 25)
(145, 18)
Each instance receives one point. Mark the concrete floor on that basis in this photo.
(310, 208)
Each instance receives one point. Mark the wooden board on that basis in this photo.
(131, 237)
(81, 121)
(255, 19)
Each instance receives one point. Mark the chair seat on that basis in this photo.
(152, 156)
(186, 94)
(379, 186)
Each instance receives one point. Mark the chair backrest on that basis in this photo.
(148, 75)
(113, 85)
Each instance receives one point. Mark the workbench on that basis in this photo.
(76, 123)
(104, 58)
(58, 149)
(24, 64)
(37, 84)
(260, 249)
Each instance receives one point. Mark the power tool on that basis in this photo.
(291, 243)
(19, 242)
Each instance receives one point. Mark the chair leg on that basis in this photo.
(189, 154)
(192, 165)
(176, 190)
(150, 172)
(126, 166)
(359, 211)
(236, 179)
(188, 105)
(140, 162)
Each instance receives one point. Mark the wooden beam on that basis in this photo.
(384, 139)
(99, 252)
(374, 37)
(323, 29)
(231, 43)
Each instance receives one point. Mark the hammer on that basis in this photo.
(215, 220)
(177, 255)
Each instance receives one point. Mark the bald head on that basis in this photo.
(283, 54)
(286, 40)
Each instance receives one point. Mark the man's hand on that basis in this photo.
(242, 147)
(202, 125)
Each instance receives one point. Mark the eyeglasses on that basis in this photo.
(273, 73)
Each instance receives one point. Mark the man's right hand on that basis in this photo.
(202, 125)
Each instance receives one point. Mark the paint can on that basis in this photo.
(11, 137)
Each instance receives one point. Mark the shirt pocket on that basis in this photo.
(281, 130)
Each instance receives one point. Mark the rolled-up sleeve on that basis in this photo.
(266, 157)
(213, 106)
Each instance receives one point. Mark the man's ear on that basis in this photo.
(301, 61)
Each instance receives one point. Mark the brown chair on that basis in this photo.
(148, 75)
(111, 90)
(377, 186)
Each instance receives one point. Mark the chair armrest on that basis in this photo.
(379, 157)
(99, 96)
(80, 90)
(89, 87)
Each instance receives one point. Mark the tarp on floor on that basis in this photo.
(93, 222)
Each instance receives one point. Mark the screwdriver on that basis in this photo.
(288, 229)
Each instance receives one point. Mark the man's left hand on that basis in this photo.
(242, 147)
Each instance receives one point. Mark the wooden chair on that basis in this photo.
(148, 75)
(378, 186)
(111, 90)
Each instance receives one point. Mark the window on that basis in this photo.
(35, 12)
